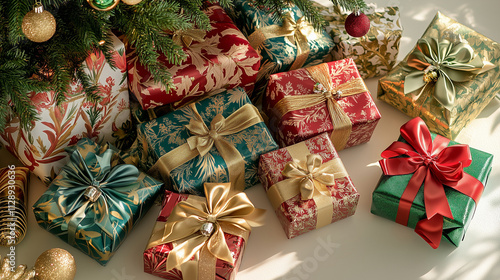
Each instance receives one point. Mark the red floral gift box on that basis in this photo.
(198, 238)
(307, 185)
(330, 97)
(217, 60)
(41, 148)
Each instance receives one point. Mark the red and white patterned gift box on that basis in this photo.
(41, 148)
(330, 97)
(220, 60)
(329, 200)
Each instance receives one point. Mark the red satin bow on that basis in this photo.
(435, 165)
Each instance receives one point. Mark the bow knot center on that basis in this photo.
(213, 134)
(428, 160)
(431, 73)
(211, 218)
(92, 193)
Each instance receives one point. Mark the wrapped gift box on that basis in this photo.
(374, 53)
(334, 199)
(280, 50)
(217, 60)
(96, 201)
(41, 148)
(398, 182)
(159, 248)
(180, 147)
(446, 99)
(299, 108)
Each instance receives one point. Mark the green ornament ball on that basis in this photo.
(103, 5)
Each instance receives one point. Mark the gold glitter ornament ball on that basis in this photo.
(55, 264)
(131, 2)
(39, 25)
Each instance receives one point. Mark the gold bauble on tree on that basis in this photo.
(39, 25)
(55, 264)
(131, 2)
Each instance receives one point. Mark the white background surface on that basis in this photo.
(363, 246)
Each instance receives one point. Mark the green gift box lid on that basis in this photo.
(387, 195)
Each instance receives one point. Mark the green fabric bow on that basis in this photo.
(443, 63)
(116, 185)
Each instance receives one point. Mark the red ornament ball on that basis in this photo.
(357, 24)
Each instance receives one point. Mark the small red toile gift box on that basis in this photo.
(307, 185)
(201, 237)
(330, 97)
(219, 59)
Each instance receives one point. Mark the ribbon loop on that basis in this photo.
(190, 222)
(95, 186)
(186, 37)
(433, 165)
(442, 63)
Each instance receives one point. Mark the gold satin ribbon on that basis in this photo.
(204, 138)
(309, 179)
(342, 125)
(298, 32)
(228, 211)
(184, 38)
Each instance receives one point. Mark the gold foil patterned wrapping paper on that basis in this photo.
(471, 97)
(375, 53)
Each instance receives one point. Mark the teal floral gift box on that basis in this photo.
(218, 139)
(285, 45)
(96, 200)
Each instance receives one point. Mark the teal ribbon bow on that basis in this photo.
(111, 189)
(443, 63)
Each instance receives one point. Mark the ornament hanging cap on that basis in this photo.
(38, 7)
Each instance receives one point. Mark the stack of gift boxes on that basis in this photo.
(274, 104)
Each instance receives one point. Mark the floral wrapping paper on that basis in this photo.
(471, 97)
(300, 216)
(222, 60)
(155, 258)
(299, 125)
(122, 198)
(387, 194)
(277, 54)
(159, 136)
(374, 53)
(41, 149)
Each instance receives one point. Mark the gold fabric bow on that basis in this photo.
(226, 211)
(184, 38)
(342, 125)
(310, 179)
(298, 32)
(203, 139)
(310, 176)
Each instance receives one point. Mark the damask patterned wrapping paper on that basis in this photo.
(41, 149)
(471, 97)
(155, 258)
(96, 222)
(278, 54)
(299, 216)
(387, 195)
(298, 125)
(160, 136)
(221, 59)
(374, 53)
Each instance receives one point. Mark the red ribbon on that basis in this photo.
(435, 165)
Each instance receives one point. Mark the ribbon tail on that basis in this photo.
(185, 251)
(431, 230)
(303, 51)
(409, 195)
(74, 222)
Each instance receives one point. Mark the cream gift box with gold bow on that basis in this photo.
(307, 185)
(447, 79)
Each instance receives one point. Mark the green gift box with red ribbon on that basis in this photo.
(430, 183)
